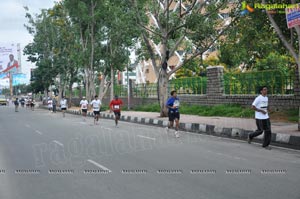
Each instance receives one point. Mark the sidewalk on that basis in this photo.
(283, 134)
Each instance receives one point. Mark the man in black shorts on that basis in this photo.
(115, 106)
(96, 104)
(173, 113)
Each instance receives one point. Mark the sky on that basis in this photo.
(12, 20)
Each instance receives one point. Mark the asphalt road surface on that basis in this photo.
(46, 156)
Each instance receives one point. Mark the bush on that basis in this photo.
(218, 110)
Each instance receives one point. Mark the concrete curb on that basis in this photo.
(278, 139)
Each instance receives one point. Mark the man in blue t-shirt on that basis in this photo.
(173, 113)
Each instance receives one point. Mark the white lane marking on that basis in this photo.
(146, 137)
(99, 165)
(27, 125)
(38, 132)
(225, 155)
(57, 142)
(105, 128)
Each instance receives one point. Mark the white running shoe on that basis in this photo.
(177, 134)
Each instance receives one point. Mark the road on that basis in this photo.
(43, 155)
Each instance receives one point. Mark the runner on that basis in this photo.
(16, 102)
(261, 107)
(54, 104)
(63, 105)
(84, 106)
(32, 103)
(27, 102)
(22, 102)
(50, 105)
(96, 104)
(173, 112)
(115, 106)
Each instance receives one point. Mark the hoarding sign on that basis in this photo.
(292, 17)
(10, 57)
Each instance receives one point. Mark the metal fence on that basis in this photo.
(234, 84)
(249, 83)
(194, 85)
(189, 85)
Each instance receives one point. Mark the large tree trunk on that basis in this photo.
(163, 92)
(79, 90)
(103, 88)
(87, 87)
(89, 84)
(112, 83)
(70, 95)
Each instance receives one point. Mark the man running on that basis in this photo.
(115, 106)
(32, 104)
(50, 104)
(173, 112)
(260, 105)
(84, 106)
(96, 104)
(16, 102)
(54, 105)
(63, 105)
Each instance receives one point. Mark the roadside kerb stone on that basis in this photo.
(284, 140)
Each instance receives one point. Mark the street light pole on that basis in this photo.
(128, 90)
(10, 83)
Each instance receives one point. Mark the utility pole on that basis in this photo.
(128, 89)
(11, 83)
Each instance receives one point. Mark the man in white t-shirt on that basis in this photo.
(63, 105)
(50, 104)
(260, 105)
(84, 106)
(96, 104)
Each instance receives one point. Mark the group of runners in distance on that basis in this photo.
(28, 102)
(259, 105)
(115, 106)
(52, 103)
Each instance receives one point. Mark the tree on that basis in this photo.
(86, 16)
(251, 38)
(40, 51)
(291, 43)
(53, 50)
(190, 25)
(120, 34)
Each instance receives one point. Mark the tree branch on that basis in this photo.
(201, 52)
(150, 50)
(148, 29)
(189, 9)
(282, 37)
(176, 45)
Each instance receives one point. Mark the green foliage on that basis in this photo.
(191, 85)
(218, 110)
(249, 82)
(197, 67)
(293, 115)
(274, 61)
(153, 107)
(251, 38)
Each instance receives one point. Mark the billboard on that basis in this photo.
(4, 80)
(293, 16)
(10, 58)
(17, 79)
